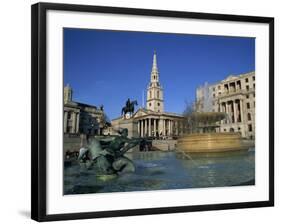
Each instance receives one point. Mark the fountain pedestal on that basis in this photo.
(211, 142)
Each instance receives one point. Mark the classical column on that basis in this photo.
(145, 127)
(142, 128)
(230, 111)
(77, 122)
(164, 127)
(227, 111)
(177, 127)
(73, 122)
(241, 110)
(154, 127)
(65, 122)
(149, 126)
(235, 112)
(139, 131)
(172, 127)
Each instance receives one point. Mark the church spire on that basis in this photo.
(154, 65)
(154, 71)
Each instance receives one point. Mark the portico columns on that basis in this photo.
(169, 127)
(177, 127)
(149, 126)
(139, 131)
(65, 122)
(145, 127)
(154, 127)
(77, 122)
(241, 110)
(227, 111)
(164, 127)
(73, 122)
(142, 128)
(234, 111)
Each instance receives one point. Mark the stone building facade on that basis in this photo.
(152, 121)
(234, 96)
(80, 118)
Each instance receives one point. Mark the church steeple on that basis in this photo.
(154, 72)
(154, 100)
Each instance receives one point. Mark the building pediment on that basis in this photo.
(140, 112)
(230, 77)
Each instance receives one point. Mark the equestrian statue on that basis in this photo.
(129, 107)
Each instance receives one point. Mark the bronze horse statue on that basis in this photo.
(129, 108)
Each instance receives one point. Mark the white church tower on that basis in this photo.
(154, 97)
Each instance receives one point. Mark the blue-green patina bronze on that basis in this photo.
(105, 154)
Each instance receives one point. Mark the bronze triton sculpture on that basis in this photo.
(105, 154)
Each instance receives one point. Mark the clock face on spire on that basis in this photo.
(155, 101)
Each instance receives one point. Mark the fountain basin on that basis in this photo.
(211, 142)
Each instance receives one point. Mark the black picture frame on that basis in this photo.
(38, 108)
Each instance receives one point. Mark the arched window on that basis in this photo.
(157, 94)
(249, 116)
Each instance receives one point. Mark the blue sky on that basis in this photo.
(107, 67)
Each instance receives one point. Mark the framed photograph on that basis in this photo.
(139, 111)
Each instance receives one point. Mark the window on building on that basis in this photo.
(238, 84)
(157, 94)
(248, 105)
(150, 104)
(254, 85)
(249, 116)
(254, 78)
(247, 87)
(214, 95)
(247, 96)
(154, 77)
(246, 80)
(68, 115)
(250, 127)
(158, 104)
